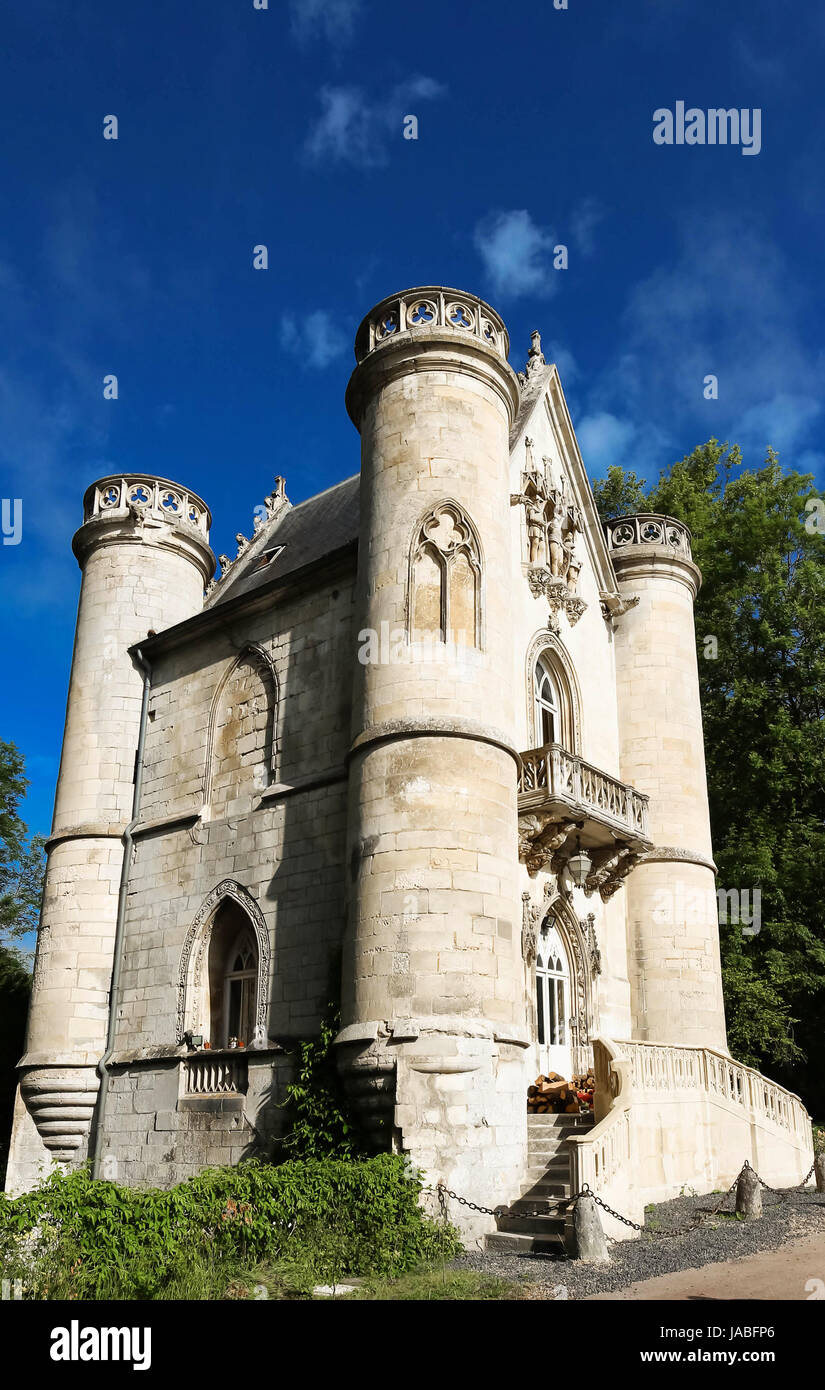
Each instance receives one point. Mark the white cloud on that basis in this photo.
(604, 439)
(352, 129)
(584, 220)
(329, 19)
(517, 254)
(727, 305)
(315, 338)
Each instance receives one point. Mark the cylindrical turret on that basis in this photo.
(673, 934)
(143, 550)
(432, 981)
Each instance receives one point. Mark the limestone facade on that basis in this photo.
(430, 747)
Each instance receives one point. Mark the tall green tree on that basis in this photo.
(21, 858)
(15, 986)
(21, 890)
(760, 628)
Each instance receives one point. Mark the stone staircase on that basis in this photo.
(521, 1232)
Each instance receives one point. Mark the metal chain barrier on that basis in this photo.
(701, 1215)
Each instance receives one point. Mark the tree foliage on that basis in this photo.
(317, 1111)
(21, 858)
(15, 984)
(763, 705)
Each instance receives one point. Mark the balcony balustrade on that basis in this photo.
(562, 801)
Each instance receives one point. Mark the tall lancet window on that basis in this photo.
(547, 705)
(445, 578)
(233, 977)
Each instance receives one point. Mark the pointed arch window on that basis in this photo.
(552, 991)
(445, 578)
(233, 977)
(547, 704)
(553, 712)
(241, 740)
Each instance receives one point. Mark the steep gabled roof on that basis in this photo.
(543, 392)
(296, 537)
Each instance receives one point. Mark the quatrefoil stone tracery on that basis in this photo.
(446, 531)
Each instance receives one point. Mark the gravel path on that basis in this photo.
(653, 1254)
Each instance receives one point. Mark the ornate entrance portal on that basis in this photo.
(563, 960)
(553, 1003)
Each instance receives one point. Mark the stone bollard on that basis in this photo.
(748, 1194)
(586, 1240)
(819, 1172)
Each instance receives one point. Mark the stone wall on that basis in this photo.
(283, 846)
(157, 1134)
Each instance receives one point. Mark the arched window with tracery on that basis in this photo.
(547, 705)
(241, 747)
(554, 705)
(553, 1003)
(233, 977)
(445, 578)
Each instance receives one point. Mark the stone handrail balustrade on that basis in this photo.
(598, 1157)
(551, 772)
(648, 528)
(634, 1080)
(212, 1076)
(149, 496)
(657, 1067)
(431, 307)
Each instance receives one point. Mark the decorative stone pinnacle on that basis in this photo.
(535, 357)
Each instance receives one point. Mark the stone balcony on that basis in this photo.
(563, 800)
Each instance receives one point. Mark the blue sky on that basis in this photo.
(284, 127)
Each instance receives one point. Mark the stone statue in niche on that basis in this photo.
(552, 525)
(555, 538)
(536, 532)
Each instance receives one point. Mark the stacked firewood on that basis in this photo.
(584, 1086)
(552, 1095)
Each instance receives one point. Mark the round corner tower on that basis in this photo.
(673, 934)
(432, 1019)
(144, 555)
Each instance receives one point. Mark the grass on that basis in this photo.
(428, 1285)
(199, 1279)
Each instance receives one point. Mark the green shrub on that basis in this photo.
(79, 1237)
(317, 1112)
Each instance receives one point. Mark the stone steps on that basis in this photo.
(533, 1225)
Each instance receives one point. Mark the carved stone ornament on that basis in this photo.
(540, 837)
(538, 580)
(611, 867)
(613, 606)
(530, 925)
(588, 926)
(273, 503)
(552, 524)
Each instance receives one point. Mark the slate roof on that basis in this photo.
(308, 532)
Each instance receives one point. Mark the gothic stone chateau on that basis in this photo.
(432, 740)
